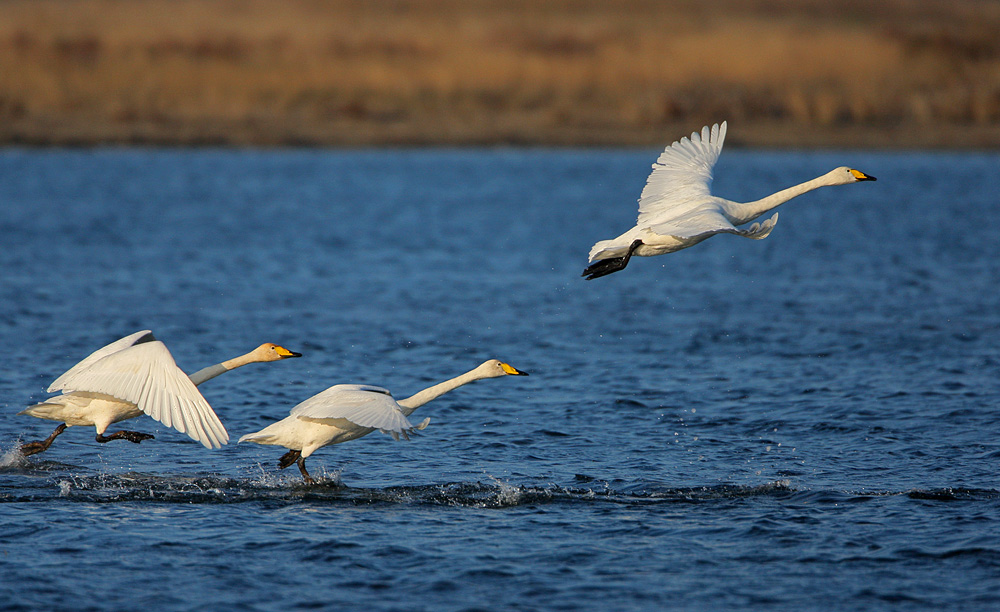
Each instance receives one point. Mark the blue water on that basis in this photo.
(807, 422)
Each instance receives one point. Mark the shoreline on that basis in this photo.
(763, 135)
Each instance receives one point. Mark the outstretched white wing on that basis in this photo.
(362, 405)
(704, 223)
(100, 353)
(145, 374)
(681, 176)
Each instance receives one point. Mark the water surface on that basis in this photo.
(803, 422)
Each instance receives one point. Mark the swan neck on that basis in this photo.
(749, 211)
(212, 371)
(410, 404)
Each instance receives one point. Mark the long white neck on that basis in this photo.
(212, 371)
(413, 402)
(744, 212)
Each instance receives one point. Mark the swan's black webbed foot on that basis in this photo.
(295, 456)
(289, 458)
(131, 436)
(305, 474)
(607, 266)
(32, 448)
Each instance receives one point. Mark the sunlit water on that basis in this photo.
(804, 422)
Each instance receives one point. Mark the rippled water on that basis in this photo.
(804, 422)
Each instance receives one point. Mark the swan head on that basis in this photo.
(495, 368)
(272, 352)
(844, 176)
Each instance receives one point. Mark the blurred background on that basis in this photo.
(893, 73)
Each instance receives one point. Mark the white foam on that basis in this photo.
(507, 494)
(12, 457)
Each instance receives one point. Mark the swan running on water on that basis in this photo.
(133, 376)
(347, 412)
(676, 209)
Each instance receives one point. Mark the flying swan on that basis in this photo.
(133, 376)
(676, 209)
(347, 412)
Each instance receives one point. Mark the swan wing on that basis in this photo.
(704, 223)
(100, 353)
(363, 405)
(146, 375)
(681, 175)
(693, 224)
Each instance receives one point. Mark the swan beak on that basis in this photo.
(285, 353)
(861, 176)
(509, 369)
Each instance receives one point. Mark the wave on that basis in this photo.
(61, 483)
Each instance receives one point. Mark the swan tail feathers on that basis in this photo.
(45, 410)
(606, 249)
(260, 437)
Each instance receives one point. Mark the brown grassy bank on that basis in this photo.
(784, 72)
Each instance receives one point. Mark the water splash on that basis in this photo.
(506, 493)
(11, 457)
(265, 477)
(260, 484)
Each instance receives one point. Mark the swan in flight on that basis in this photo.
(133, 376)
(676, 209)
(347, 412)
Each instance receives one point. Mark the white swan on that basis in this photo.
(347, 412)
(133, 376)
(676, 209)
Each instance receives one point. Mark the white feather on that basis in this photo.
(682, 175)
(146, 375)
(100, 353)
(363, 405)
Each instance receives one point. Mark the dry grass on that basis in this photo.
(786, 72)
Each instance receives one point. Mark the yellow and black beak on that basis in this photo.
(285, 353)
(861, 176)
(509, 369)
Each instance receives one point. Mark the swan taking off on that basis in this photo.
(133, 376)
(347, 412)
(676, 209)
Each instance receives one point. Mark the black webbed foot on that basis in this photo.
(32, 448)
(613, 264)
(305, 474)
(132, 436)
(289, 458)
